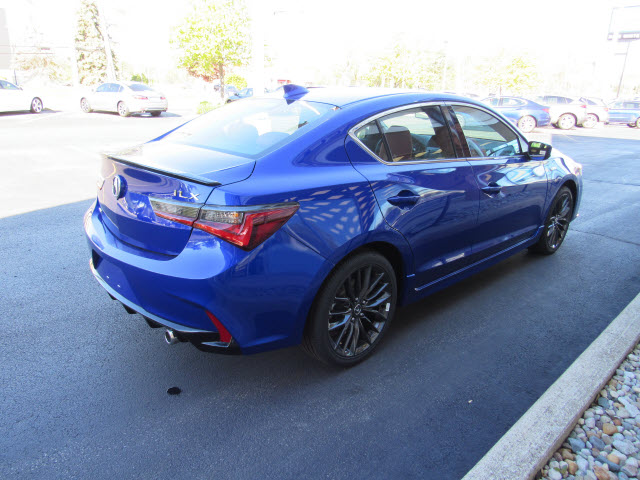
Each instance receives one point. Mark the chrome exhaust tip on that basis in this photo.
(171, 337)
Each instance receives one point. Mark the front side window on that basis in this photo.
(103, 88)
(8, 86)
(494, 101)
(486, 135)
(251, 127)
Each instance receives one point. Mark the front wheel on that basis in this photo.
(637, 124)
(527, 123)
(590, 121)
(123, 110)
(557, 223)
(85, 106)
(36, 105)
(566, 121)
(352, 310)
(155, 114)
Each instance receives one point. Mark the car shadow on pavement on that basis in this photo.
(26, 113)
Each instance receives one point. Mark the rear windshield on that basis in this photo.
(252, 126)
(139, 87)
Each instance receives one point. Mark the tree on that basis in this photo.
(90, 45)
(236, 80)
(213, 38)
(41, 64)
(508, 75)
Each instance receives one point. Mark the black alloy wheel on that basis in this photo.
(352, 311)
(557, 224)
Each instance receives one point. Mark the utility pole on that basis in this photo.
(111, 72)
(624, 66)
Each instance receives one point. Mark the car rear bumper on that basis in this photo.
(142, 106)
(261, 297)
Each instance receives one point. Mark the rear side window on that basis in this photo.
(486, 135)
(139, 87)
(251, 127)
(414, 135)
(512, 102)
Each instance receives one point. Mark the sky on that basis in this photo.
(312, 35)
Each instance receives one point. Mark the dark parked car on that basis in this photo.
(309, 217)
(627, 112)
(597, 111)
(526, 114)
(566, 112)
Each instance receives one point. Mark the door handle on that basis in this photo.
(405, 199)
(492, 189)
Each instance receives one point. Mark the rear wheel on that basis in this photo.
(637, 124)
(85, 106)
(36, 105)
(155, 114)
(566, 121)
(590, 121)
(557, 223)
(352, 310)
(527, 123)
(123, 110)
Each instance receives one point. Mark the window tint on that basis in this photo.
(486, 135)
(512, 102)
(139, 87)
(494, 101)
(370, 135)
(632, 105)
(414, 135)
(8, 86)
(102, 88)
(252, 126)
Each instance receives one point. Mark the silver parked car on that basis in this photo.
(124, 98)
(566, 112)
(15, 99)
(597, 111)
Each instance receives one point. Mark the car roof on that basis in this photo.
(343, 96)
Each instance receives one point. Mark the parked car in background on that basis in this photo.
(124, 98)
(627, 112)
(566, 112)
(14, 99)
(310, 216)
(244, 93)
(526, 114)
(597, 111)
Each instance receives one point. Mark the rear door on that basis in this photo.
(512, 187)
(424, 191)
(100, 96)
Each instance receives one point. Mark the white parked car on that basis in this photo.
(15, 99)
(124, 98)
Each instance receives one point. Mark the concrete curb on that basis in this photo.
(529, 444)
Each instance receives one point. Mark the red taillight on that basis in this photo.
(140, 97)
(606, 109)
(545, 110)
(163, 98)
(583, 106)
(225, 336)
(245, 227)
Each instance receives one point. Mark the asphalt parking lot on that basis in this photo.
(84, 384)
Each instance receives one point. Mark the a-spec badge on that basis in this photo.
(192, 196)
(119, 186)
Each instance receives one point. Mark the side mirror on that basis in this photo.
(537, 149)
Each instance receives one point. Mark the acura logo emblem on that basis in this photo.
(119, 186)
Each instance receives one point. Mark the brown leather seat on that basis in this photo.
(400, 144)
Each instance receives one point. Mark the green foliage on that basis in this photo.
(213, 37)
(508, 75)
(89, 43)
(47, 65)
(236, 80)
(407, 68)
(205, 107)
(140, 77)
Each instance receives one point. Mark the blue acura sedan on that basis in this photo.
(526, 114)
(307, 217)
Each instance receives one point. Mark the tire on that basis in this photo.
(85, 106)
(36, 105)
(527, 123)
(557, 223)
(566, 121)
(590, 121)
(123, 110)
(637, 124)
(359, 325)
(155, 114)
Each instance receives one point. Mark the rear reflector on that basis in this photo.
(244, 227)
(225, 336)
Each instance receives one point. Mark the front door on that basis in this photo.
(513, 188)
(423, 190)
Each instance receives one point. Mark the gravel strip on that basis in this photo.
(605, 444)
